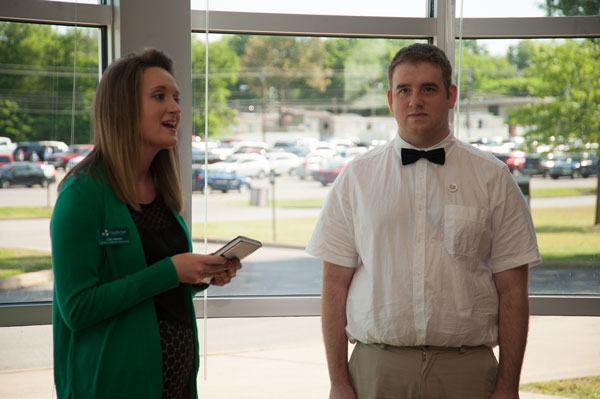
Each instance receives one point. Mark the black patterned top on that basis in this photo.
(163, 236)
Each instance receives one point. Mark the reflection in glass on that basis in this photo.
(307, 100)
(533, 107)
(37, 104)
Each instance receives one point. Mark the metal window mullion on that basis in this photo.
(313, 25)
(59, 13)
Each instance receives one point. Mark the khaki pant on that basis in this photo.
(387, 372)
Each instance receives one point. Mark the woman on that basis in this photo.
(124, 274)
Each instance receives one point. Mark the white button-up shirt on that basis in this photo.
(425, 240)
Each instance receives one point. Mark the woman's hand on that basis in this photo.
(194, 268)
(225, 277)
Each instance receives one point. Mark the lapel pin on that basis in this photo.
(452, 188)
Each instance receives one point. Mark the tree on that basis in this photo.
(280, 61)
(36, 81)
(565, 77)
(572, 7)
(223, 69)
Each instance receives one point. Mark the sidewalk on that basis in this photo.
(267, 358)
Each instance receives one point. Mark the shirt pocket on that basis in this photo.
(463, 227)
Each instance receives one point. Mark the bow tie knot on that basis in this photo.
(437, 156)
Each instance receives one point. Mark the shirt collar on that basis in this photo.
(446, 143)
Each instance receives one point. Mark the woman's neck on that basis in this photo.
(144, 182)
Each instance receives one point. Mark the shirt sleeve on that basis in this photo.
(514, 240)
(86, 291)
(333, 239)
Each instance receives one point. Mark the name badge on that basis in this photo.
(113, 236)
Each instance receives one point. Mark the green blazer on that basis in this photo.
(106, 339)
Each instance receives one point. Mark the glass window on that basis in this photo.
(78, 1)
(527, 8)
(320, 101)
(536, 102)
(377, 8)
(41, 117)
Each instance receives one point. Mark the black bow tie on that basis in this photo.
(409, 156)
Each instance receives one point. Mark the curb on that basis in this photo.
(26, 280)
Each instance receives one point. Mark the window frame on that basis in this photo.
(440, 28)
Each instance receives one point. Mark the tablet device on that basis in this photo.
(238, 248)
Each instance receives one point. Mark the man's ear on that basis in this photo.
(452, 92)
(389, 95)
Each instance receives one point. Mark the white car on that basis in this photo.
(283, 162)
(253, 165)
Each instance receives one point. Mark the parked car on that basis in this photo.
(312, 162)
(6, 159)
(589, 164)
(37, 150)
(61, 159)
(26, 173)
(75, 160)
(254, 165)
(6, 145)
(330, 170)
(199, 155)
(572, 165)
(514, 160)
(223, 181)
(282, 162)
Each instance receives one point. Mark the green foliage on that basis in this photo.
(223, 70)
(572, 7)
(565, 77)
(36, 81)
(275, 65)
(487, 75)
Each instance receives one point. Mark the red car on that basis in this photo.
(514, 160)
(60, 159)
(5, 159)
(330, 170)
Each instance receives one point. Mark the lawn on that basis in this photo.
(24, 212)
(581, 388)
(565, 235)
(15, 261)
(561, 191)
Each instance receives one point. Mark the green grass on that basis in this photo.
(581, 388)
(289, 231)
(15, 261)
(567, 235)
(561, 191)
(24, 212)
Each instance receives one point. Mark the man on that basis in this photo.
(425, 256)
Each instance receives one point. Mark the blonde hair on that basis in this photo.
(117, 138)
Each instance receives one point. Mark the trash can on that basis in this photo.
(258, 196)
(523, 183)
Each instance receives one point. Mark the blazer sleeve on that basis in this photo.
(85, 291)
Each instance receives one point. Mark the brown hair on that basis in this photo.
(117, 138)
(422, 52)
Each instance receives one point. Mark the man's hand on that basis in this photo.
(505, 395)
(342, 392)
